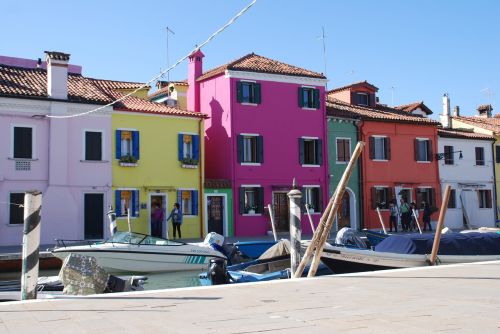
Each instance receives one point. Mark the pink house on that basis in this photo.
(266, 127)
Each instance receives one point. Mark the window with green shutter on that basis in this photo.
(248, 92)
(309, 98)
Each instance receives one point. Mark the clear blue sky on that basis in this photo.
(421, 48)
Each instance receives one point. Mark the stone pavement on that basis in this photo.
(455, 298)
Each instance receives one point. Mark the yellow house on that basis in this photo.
(173, 93)
(158, 155)
(486, 124)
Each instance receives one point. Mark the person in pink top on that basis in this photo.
(157, 221)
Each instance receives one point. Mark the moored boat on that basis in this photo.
(406, 251)
(139, 253)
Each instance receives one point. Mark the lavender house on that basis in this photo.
(266, 127)
(67, 159)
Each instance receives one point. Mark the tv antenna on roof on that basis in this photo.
(488, 92)
(392, 95)
(168, 60)
(323, 37)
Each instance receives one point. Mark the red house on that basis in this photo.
(399, 159)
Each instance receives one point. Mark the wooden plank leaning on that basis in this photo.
(325, 224)
(439, 227)
(271, 216)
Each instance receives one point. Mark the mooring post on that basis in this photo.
(31, 244)
(112, 220)
(295, 197)
(439, 227)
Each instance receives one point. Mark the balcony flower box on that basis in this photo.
(128, 161)
(189, 163)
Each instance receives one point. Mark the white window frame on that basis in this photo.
(8, 205)
(428, 161)
(246, 135)
(191, 202)
(315, 153)
(375, 159)
(484, 157)
(312, 88)
(248, 103)
(85, 148)
(34, 155)
(337, 151)
(131, 141)
(251, 186)
(388, 199)
(479, 191)
(307, 188)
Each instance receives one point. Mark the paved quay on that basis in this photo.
(456, 298)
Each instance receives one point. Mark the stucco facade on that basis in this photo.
(279, 122)
(344, 131)
(158, 175)
(471, 181)
(57, 168)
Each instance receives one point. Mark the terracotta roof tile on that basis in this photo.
(463, 134)
(360, 83)
(410, 107)
(32, 83)
(491, 124)
(255, 63)
(336, 108)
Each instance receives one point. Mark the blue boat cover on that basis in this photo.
(451, 244)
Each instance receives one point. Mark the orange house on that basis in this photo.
(399, 160)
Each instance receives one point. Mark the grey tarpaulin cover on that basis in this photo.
(348, 237)
(81, 275)
(282, 247)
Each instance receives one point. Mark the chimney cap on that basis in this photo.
(55, 55)
(484, 107)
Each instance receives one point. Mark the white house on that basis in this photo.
(466, 164)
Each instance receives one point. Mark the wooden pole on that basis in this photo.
(294, 199)
(271, 215)
(439, 227)
(128, 221)
(112, 221)
(416, 220)
(310, 218)
(324, 232)
(31, 244)
(381, 220)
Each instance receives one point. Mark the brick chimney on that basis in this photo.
(195, 70)
(57, 74)
(484, 110)
(456, 111)
(445, 116)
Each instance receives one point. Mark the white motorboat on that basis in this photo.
(139, 253)
(406, 251)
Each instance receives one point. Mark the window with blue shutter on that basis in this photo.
(135, 144)
(180, 137)
(188, 200)
(260, 149)
(135, 204)
(179, 199)
(196, 147)
(194, 201)
(118, 144)
(118, 203)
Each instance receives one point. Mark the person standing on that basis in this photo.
(393, 217)
(405, 214)
(157, 221)
(176, 216)
(426, 216)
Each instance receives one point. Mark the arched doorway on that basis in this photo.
(346, 215)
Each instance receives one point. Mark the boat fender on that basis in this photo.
(217, 272)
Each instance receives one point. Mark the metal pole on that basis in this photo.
(112, 220)
(31, 244)
(416, 220)
(381, 220)
(294, 197)
(128, 221)
(439, 227)
(271, 215)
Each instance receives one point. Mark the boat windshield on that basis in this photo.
(137, 238)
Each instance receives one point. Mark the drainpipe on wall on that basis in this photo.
(200, 162)
(359, 126)
(493, 152)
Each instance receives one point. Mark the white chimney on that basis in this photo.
(456, 111)
(57, 75)
(445, 116)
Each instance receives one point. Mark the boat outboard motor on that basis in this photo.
(217, 272)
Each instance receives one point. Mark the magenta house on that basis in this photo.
(266, 127)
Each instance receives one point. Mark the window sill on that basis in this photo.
(14, 225)
(23, 159)
(312, 213)
(341, 162)
(250, 163)
(307, 108)
(125, 217)
(311, 165)
(188, 216)
(189, 166)
(423, 162)
(380, 160)
(251, 214)
(249, 104)
(481, 166)
(95, 161)
(128, 164)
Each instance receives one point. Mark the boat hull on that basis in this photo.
(137, 260)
